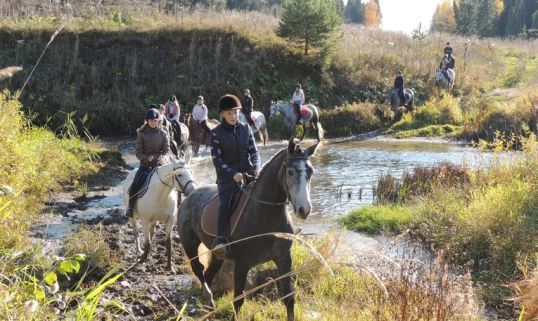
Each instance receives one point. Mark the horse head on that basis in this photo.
(272, 109)
(183, 180)
(298, 172)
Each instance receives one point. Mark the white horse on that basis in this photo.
(311, 115)
(259, 120)
(159, 203)
(442, 82)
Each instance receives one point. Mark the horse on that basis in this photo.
(159, 203)
(393, 98)
(261, 124)
(286, 176)
(310, 116)
(181, 141)
(197, 135)
(441, 82)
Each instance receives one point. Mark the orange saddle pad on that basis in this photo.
(210, 216)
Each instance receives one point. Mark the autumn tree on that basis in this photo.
(372, 14)
(443, 19)
(309, 22)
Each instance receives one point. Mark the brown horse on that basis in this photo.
(197, 135)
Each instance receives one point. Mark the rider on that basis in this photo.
(399, 85)
(167, 126)
(297, 100)
(152, 149)
(199, 114)
(248, 107)
(448, 53)
(172, 112)
(234, 152)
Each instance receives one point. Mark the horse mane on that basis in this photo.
(265, 165)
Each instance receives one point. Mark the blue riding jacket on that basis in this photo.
(233, 150)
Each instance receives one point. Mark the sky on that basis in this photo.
(405, 15)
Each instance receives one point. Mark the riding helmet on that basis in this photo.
(246, 91)
(298, 86)
(228, 102)
(173, 98)
(153, 113)
(161, 107)
(200, 98)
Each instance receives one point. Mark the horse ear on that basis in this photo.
(312, 149)
(291, 145)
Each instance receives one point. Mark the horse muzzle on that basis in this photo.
(303, 212)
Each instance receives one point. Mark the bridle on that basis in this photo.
(288, 197)
(181, 187)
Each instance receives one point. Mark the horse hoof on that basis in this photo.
(208, 296)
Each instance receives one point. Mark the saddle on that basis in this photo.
(305, 111)
(210, 216)
(142, 181)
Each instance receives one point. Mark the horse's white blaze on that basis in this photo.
(300, 190)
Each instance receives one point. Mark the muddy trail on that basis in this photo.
(147, 291)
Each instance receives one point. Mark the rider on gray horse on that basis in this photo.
(234, 152)
(152, 149)
(399, 85)
(172, 112)
(199, 114)
(248, 107)
(298, 100)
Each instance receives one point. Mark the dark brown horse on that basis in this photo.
(286, 177)
(197, 136)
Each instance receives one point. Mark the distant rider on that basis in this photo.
(399, 85)
(199, 114)
(248, 108)
(298, 100)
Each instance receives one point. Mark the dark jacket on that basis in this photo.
(448, 51)
(399, 82)
(152, 141)
(248, 104)
(233, 150)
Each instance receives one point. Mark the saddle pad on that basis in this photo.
(210, 216)
(144, 185)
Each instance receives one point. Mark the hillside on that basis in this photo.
(110, 68)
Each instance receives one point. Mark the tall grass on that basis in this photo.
(33, 163)
(485, 219)
(355, 293)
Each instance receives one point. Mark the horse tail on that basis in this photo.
(321, 131)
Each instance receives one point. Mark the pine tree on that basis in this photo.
(310, 22)
(443, 19)
(484, 17)
(354, 12)
(463, 13)
(535, 20)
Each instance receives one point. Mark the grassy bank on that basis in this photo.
(108, 67)
(482, 219)
(355, 293)
(33, 164)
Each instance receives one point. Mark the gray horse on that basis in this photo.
(441, 82)
(285, 177)
(312, 116)
(395, 101)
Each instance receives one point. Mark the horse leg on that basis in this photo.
(135, 235)
(240, 277)
(209, 275)
(169, 227)
(147, 240)
(285, 286)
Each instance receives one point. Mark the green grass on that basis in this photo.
(431, 131)
(378, 219)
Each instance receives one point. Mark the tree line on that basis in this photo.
(487, 18)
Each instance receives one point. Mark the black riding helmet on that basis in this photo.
(228, 102)
(153, 113)
(173, 98)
